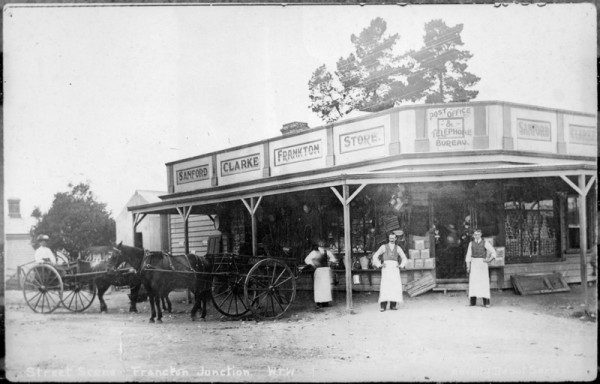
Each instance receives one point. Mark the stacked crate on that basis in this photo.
(418, 254)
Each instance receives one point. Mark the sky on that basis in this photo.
(108, 94)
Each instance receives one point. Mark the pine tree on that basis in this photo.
(443, 65)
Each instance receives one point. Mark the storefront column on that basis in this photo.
(252, 207)
(345, 199)
(184, 213)
(582, 189)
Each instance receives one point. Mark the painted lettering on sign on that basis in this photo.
(356, 141)
(534, 130)
(582, 134)
(450, 129)
(190, 175)
(449, 113)
(240, 165)
(299, 152)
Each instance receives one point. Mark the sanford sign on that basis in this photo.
(190, 175)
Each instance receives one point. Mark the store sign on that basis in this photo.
(356, 141)
(240, 165)
(582, 135)
(298, 152)
(450, 129)
(534, 130)
(190, 175)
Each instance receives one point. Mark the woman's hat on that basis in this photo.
(43, 238)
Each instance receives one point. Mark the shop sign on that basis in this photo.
(298, 152)
(448, 130)
(240, 165)
(190, 175)
(534, 130)
(582, 135)
(359, 140)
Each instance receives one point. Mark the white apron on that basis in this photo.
(391, 284)
(479, 279)
(322, 286)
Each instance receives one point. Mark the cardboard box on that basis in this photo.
(414, 254)
(424, 253)
(429, 263)
(419, 263)
(410, 264)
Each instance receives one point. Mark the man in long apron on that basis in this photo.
(320, 259)
(479, 254)
(386, 258)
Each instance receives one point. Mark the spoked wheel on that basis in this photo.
(228, 290)
(43, 288)
(78, 295)
(270, 289)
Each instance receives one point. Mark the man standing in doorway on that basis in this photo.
(387, 258)
(479, 254)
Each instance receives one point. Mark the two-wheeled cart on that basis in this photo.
(47, 286)
(264, 286)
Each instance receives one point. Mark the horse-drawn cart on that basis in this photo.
(264, 286)
(238, 284)
(46, 287)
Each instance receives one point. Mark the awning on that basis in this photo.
(202, 200)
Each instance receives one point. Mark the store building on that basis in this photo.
(525, 175)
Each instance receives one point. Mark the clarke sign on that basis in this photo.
(240, 165)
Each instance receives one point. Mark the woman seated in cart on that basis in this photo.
(43, 254)
(320, 259)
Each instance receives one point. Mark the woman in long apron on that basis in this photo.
(479, 254)
(387, 258)
(320, 259)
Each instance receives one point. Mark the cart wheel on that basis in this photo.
(43, 288)
(270, 288)
(78, 295)
(228, 290)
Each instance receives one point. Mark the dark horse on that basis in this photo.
(104, 281)
(162, 273)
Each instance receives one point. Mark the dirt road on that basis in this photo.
(433, 337)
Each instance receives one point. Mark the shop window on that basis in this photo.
(531, 231)
(573, 224)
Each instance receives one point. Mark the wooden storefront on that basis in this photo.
(525, 175)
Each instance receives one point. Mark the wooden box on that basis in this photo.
(422, 241)
(414, 254)
(424, 253)
(490, 240)
(499, 261)
(429, 263)
(421, 285)
(419, 244)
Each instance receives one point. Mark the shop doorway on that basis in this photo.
(449, 217)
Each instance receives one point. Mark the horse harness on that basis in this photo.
(166, 255)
